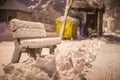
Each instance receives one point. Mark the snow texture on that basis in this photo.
(71, 60)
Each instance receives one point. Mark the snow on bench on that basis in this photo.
(30, 37)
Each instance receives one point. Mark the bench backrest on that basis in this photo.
(27, 29)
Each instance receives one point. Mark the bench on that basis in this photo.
(30, 37)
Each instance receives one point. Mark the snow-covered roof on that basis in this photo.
(87, 4)
(14, 5)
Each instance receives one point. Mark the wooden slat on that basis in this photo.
(40, 42)
(16, 24)
(29, 33)
(27, 29)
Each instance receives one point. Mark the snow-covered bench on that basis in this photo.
(30, 37)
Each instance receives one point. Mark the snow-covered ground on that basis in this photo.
(71, 60)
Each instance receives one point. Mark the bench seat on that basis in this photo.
(40, 42)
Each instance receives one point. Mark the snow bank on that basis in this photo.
(70, 61)
(72, 58)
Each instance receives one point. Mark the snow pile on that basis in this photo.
(73, 58)
(69, 62)
(69, 19)
(25, 71)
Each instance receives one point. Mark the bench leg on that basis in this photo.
(16, 55)
(17, 51)
(52, 48)
(39, 52)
